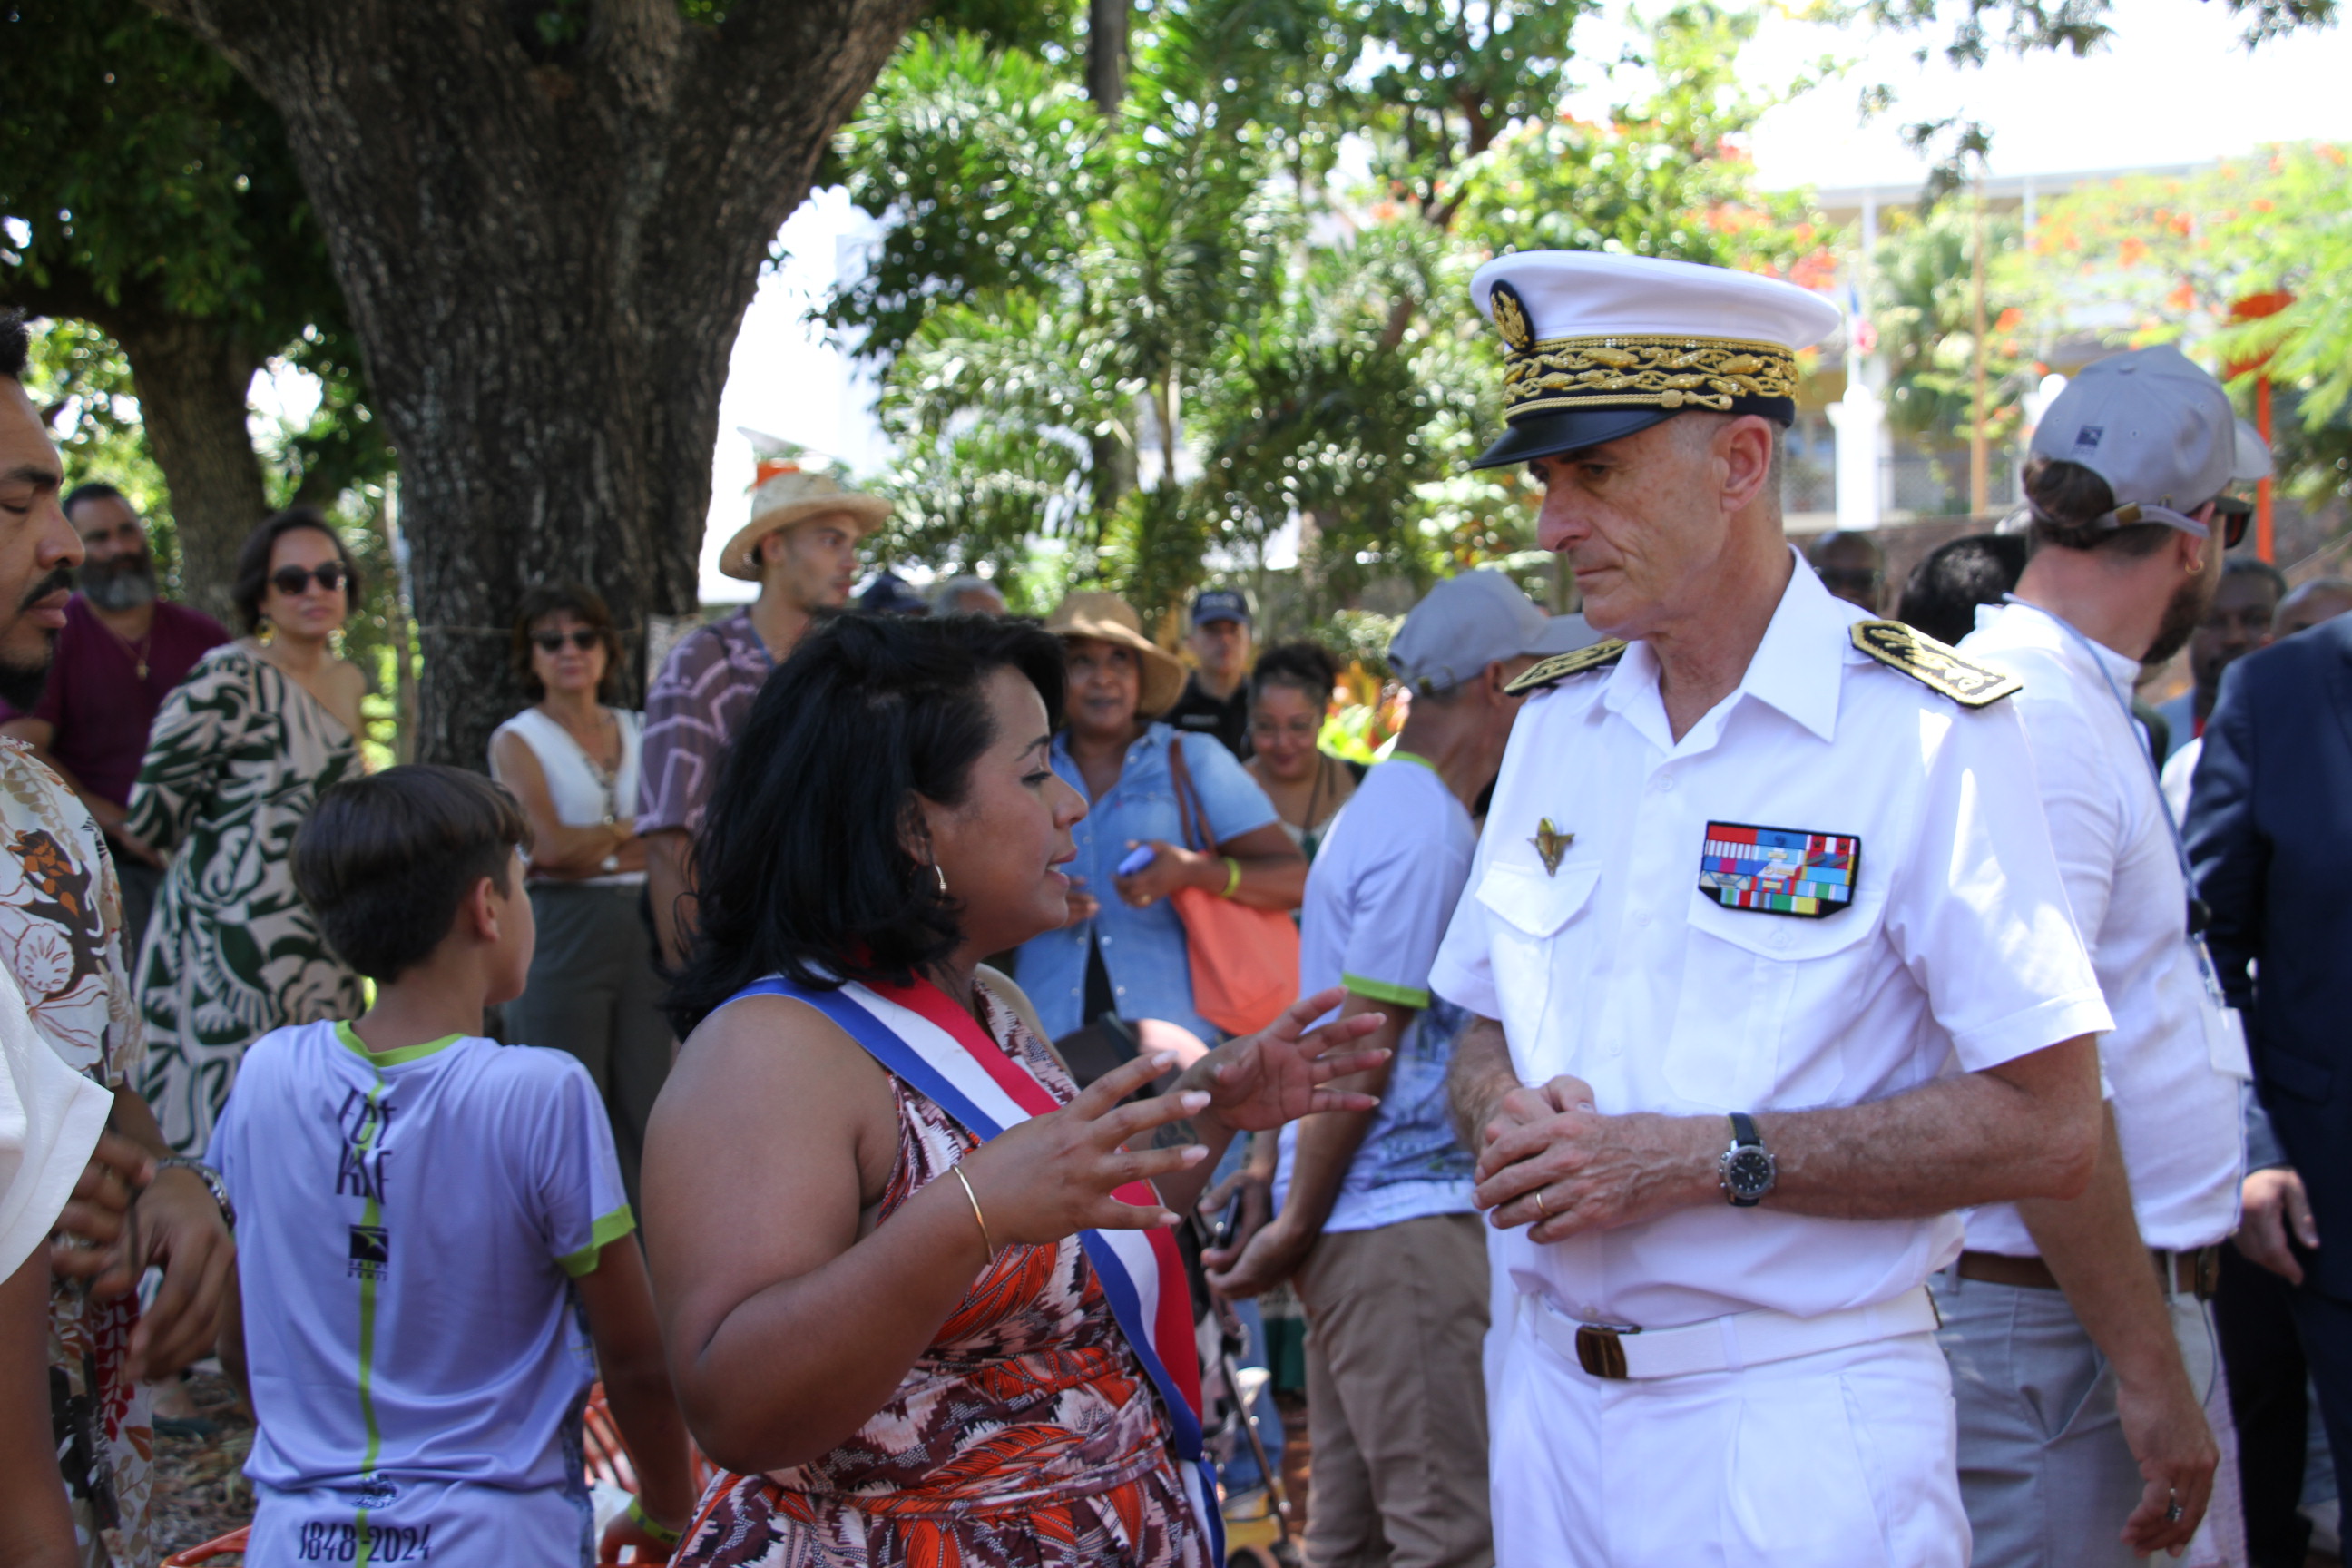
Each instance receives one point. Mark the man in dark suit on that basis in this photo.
(2270, 833)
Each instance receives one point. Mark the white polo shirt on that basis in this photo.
(2175, 1060)
(1956, 951)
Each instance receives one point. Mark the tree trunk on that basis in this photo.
(547, 251)
(191, 377)
(1106, 25)
(191, 373)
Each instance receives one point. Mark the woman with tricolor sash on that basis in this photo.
(919, 1294)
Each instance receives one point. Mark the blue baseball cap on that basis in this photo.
(1219, 604)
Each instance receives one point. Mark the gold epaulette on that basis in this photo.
(1560, 666)
(1932, 664)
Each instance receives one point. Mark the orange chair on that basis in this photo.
(233, 1541)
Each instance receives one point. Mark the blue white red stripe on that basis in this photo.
(918, 1034)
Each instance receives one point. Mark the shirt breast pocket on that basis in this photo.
(1763, 1000)
(1530, 910)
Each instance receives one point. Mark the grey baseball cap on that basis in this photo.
(1467, 623)
(2159, 429)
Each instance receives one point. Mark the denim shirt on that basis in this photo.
(1142, 950)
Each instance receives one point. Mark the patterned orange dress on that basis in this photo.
(1027, 1435)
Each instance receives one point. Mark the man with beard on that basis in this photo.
(2098, 1304)
(61, 943)
(121, 650)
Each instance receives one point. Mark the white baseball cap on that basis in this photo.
(2159, 429)
(1467, 623)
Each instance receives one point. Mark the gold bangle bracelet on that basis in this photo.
(980, 1219)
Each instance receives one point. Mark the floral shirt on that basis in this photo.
(61, 936)
(1027, 1435)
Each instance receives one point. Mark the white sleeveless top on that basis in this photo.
(573, 784)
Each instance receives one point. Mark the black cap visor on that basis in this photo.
(1550, 434)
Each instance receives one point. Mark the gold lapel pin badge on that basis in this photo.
(1551, 843)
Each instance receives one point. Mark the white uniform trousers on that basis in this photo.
(1840, 1459)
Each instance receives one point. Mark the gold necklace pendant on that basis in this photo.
(1551, 843)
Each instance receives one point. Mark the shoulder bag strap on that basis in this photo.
(1192, 818)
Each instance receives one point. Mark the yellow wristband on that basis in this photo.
(1233, 877)
(660, 1533)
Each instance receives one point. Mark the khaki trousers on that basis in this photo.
(1396, 1401)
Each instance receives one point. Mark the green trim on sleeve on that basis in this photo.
(1382, 991)
(607, 1230)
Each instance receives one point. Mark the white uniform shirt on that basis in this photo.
(2176, 1106)
(1957, 947)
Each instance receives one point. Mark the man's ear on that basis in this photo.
(1744, 446)
(2191, 548)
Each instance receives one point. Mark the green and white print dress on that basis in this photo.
(237, 756)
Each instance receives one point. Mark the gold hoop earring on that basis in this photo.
(943, 876)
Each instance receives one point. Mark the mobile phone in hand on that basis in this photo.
(1228, 1220)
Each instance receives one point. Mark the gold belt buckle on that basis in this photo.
(1601, 1350)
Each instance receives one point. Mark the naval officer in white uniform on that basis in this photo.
(1772, 967)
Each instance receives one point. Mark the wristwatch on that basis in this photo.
(209, 1177)
(1748, 1171)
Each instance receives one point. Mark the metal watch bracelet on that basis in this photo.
(209, 1177)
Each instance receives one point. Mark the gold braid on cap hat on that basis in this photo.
(1632, 372)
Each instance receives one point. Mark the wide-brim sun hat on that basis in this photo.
(784, 494)
(1106, 617)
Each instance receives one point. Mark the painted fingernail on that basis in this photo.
(1195, 1153)
(1192, 1099)
(1162, 1060)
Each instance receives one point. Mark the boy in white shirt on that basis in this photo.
(433, 1246)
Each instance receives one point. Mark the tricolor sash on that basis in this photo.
(923, 1037)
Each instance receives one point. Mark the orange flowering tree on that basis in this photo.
(2165, 258)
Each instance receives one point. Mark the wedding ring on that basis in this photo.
(2172, 1509)
(1539, 1204)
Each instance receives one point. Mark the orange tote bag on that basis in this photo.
(1244, 961)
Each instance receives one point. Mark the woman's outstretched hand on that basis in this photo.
(1279, 1074)
(1053, 1175)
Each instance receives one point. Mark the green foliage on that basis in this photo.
(1666, 176)
(2157, 258)
(143, 165)
(1187, 344)
(1923, 298)
(2292, 231)
(986, 162)
(80, 382)
(1463, 73)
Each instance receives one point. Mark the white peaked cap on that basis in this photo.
(1598, 346)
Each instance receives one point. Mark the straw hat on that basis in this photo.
(785, 493)
(1106, 617)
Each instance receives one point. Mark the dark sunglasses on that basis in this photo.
(2233, 515)
(292, 580)
(581, 639)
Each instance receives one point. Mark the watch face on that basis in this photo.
(1748, 1172)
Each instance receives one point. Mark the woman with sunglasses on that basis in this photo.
(238, 755)
(572, 762)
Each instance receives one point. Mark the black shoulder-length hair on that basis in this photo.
(251, 583)
(801, 866)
